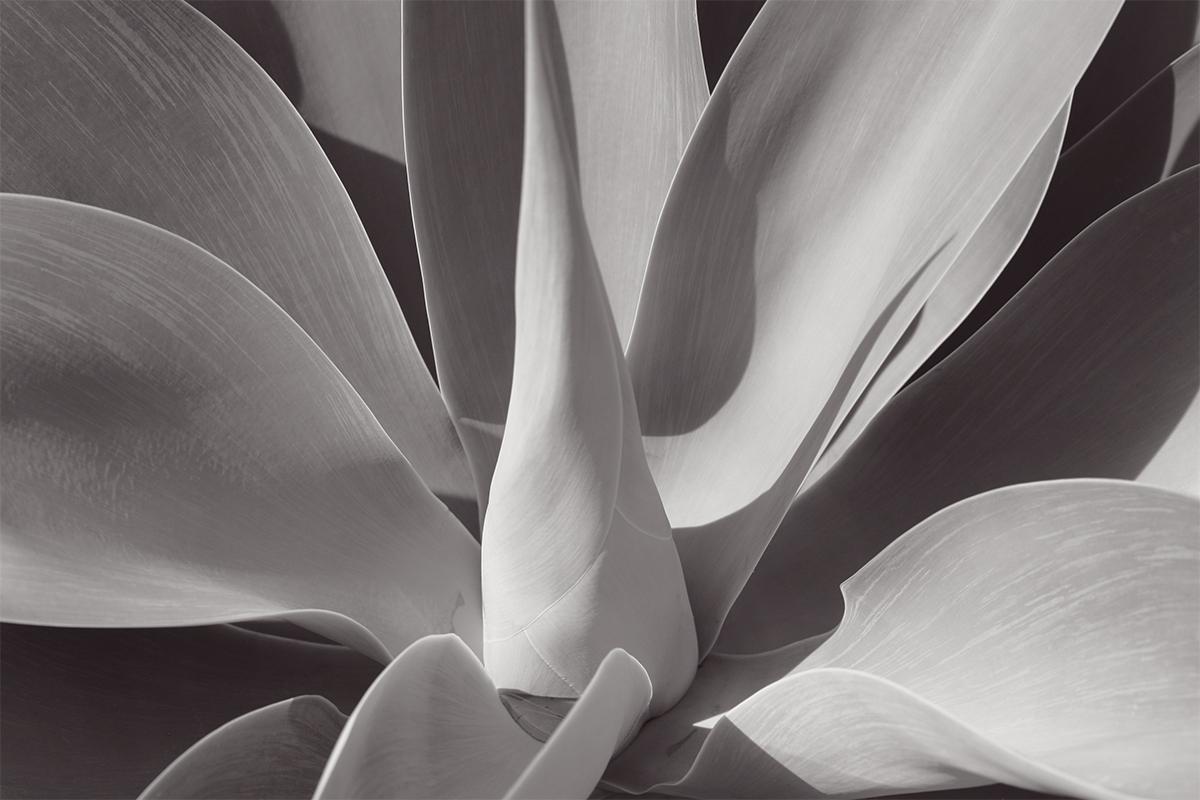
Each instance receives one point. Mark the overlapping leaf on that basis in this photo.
(149, 110)
(1056, 650)
(842, 164)
(632, 116)
(178, 452)
(577, 557)
(1092, 370)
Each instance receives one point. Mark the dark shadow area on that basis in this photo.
(377, 184)
(258, 29)
(1123, 156)
(723, 23)
(1146, 36)
(99, 713)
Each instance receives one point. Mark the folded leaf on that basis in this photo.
(278, 751)
(98, 713)
(149, 110)
(1092, 370)
(1041, 635)
(577, 556)
(965, 281)
(431, 726)
(178, 452)
(608, 713)
(842, 164)
(634, 87)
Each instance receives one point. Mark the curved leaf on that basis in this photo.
(178, 452)
(147, 109)
(965, 281)
(97, 713)
(577, 556)
(634, 85)
(1089, 372)
(278, 751)
(608, 713)
(845, 158)
(431, 726)
(1056, 649)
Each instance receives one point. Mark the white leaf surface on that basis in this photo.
(178, 452)
(578, 558)
(432, 726)
(846, 157)
(1041, 635)
(1091, 371)
(277, 751)
(965, 281)
(607, 714)
(149, 110)
(633, 83)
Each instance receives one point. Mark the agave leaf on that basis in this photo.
(149, 110)
(431, 726)
(608, 713)
(666, 747)
(1150, 137)
(847, 154)
(178, 452)
(638, 88)
(97, 713)
(1056, 650)
(577, 557)
(1144, 38)
(965, 281)
(278, 751)
(1092, 370)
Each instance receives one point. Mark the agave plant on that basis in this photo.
(671, 332)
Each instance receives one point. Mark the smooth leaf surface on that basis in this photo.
(1152, 136)
(431, 726)
(1092, 370)
(577, 552)
(633, 82)
(846, 157)
(98, 713)
(966, 280)
(149, 110)
(178, 452)
(1056, 650)
(273, 753)
(608, 713)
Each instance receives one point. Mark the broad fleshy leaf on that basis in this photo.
(178, 452)
(1150, 137)
(965, 281)
(431, 726)
(149, 110)
(1056, 650)
(578, 558)
(608, 713)
(846, 157)
(98, 713)
(1091, 371)
(633, 86)
(273, 753)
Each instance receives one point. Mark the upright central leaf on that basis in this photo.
(578, 557)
